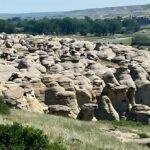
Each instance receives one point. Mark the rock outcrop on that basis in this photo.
(140, 113)
(69, 77)
(106, 110)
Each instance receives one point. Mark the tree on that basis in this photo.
(100, 27)
(84, 27)
(131, 25)
(114, 25)
(3, 24)
(68, 26)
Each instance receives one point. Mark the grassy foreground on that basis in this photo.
(80, 135)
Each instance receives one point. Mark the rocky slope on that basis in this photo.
(69, 77)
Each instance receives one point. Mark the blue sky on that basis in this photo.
(24, 6)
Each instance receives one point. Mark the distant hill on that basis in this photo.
(108, 12)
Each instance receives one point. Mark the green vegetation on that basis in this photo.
(66, 26)
(143, 135)
(17, 137)
(124, 123)
(127, 31)
(4, 108)
(141, 40)
(131, 25)
(124, 41)
(80, 135)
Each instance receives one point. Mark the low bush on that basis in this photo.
(141, 40)
(143, 135)
(17, 137)
(4, 108)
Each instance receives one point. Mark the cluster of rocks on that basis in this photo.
(78, 79)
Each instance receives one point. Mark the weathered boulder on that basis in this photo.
(141, 79)
(33, 104)
(39, 89)
(61, 110)
(84, 96)
(118, 98)
(106, 110)
(98, 86)
(106, 53)
(23, 64)
(124, 78)
(54, 69)
(8, 44)
(15, 76)
(110, 79)
(14, 92)
(87, 112)
(56, 93)
(140, 113)
(6, 71)
(22, 98)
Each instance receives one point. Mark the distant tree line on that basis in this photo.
(100, 27)
(142, 20)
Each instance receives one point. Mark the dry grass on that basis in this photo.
(79, 135)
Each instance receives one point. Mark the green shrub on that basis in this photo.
(17, 137)
(4, 108)
(143, 135)
(141, 40)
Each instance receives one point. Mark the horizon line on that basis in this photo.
(73, 9)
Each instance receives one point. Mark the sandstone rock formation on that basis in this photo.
(140, 113)
(70, 77)
(106, 110)
(87, 112)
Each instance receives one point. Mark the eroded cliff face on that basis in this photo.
(74, 78)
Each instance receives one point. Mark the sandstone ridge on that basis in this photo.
(78, 79)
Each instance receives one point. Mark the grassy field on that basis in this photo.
(125, 39)
(118, 38)
(145, 32)
(80, 135)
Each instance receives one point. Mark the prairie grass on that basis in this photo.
(79, 135)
